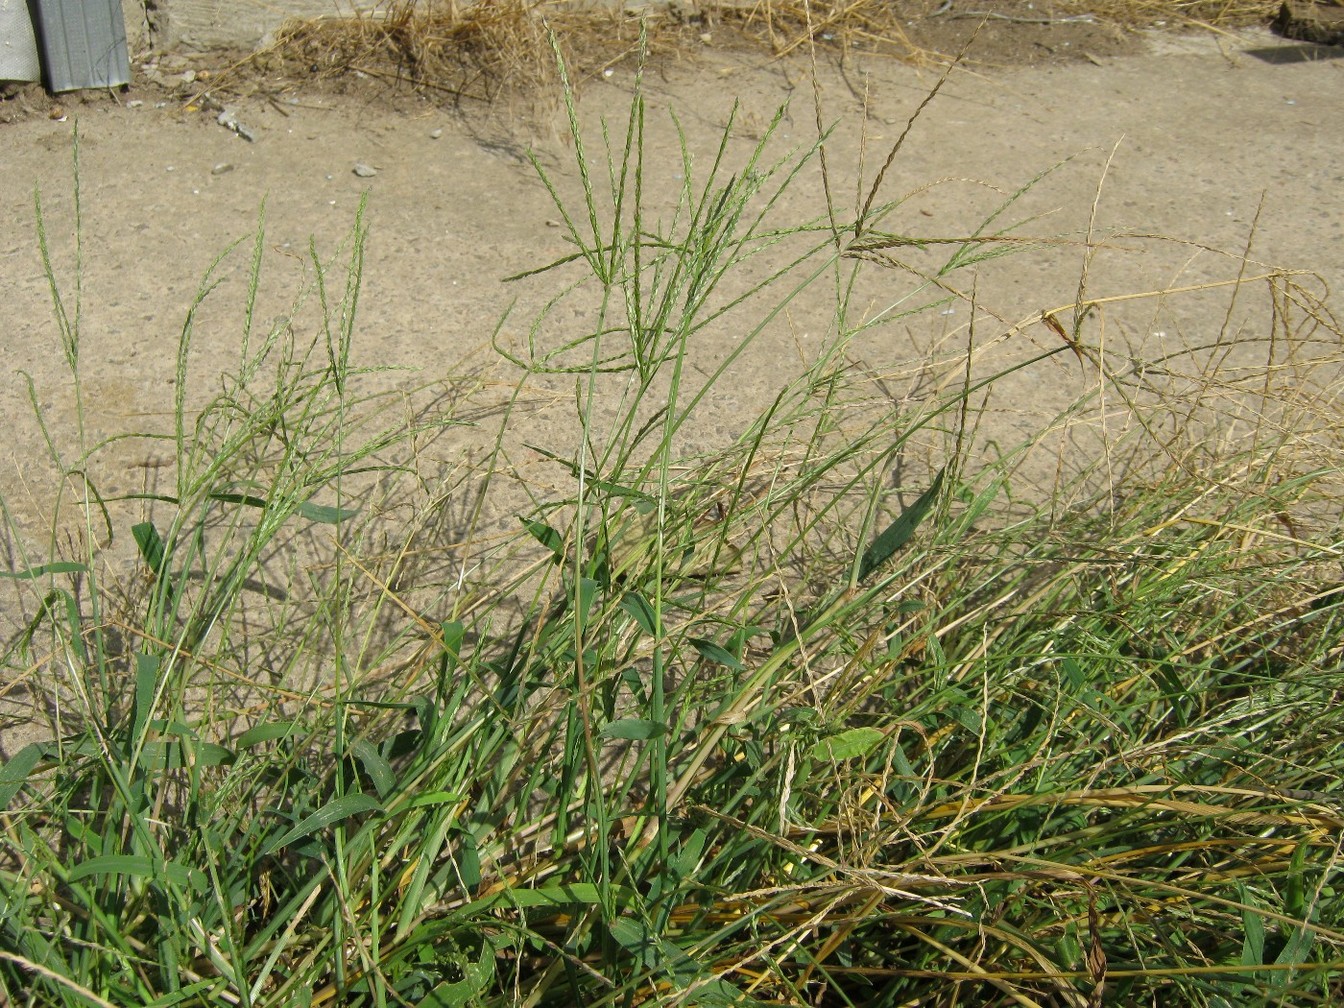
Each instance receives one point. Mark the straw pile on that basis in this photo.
(474, 51)
(484, 48)
(481, 49)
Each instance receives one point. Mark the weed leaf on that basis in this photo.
(639, 609)
(42, 570)
(716, 655)
(15, 771)
(379, 771)
(325, 515)
(1294, 953)
(634, 729)
(146, 688)
(452, 632)
(321, 513)
(267, 731)
(583, 893)
(151, 545)
(476, 975)
(898, 533)
(848, 744)
(140, 867)
(547, 536)
(433, 798)
(332, 812)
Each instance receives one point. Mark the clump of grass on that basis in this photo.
(743, 724)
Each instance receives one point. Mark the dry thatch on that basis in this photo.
(480, 49)
(472, 51)
(1209, 13)
(484, 48)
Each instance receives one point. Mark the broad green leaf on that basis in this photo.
(146, 685)
(468, 858)
(151, 545)
(453, 631)
(637, 606)
(140, 867)
(1067, 947)
(33, 573)
(1295, 892)
(247, 500)
(633, 729)
(898, 533)
(547, 536)
(716, 655)
(74, 619)
(587, 592)
(175, 753)
(968, 717)
(900, 762)
(320, 513)
(1294, 952)
(433, 798)
(16, 769)
(324, 515)
(333, 812)
(583, 893)
(477, 975)
(848, 744)
(1073, 674)
(1253, 932)
(682, 863)
(268, 731)
(377, 768)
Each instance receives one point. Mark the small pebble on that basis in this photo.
(434, 134)
(221, 168)
(364, 171)
(134, 103)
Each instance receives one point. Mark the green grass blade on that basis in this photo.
(900, 531)
(336, 810)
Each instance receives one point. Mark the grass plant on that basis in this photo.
(751, 724)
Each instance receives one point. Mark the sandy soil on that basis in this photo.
(1223, 140)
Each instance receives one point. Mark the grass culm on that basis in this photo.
(827, 710)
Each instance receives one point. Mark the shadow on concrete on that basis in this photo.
(1300, 52)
